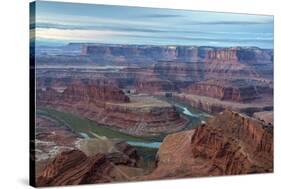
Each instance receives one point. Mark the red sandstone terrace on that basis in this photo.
(138, 115)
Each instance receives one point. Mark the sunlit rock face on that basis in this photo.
(75, 167)
(228, 144)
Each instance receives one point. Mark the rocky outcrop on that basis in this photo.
(215, 105)
(94, 94)
(238, 55)
(83, 93)
(55, 172)
(81, 98)
(91, 161)
(230, 143)
(74, 167)
(234, 144)
(230, 90)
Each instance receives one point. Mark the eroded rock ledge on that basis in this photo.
(74, 167)
(228, 144)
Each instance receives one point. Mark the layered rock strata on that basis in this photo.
(74, 167)
(229, 90)
(228, 144)
(214, 105)
(140, 115)
(194, 53)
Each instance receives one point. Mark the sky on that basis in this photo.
(61, 23)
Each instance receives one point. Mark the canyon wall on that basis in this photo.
(234, 144)
(228, 144)
(74, 167)
(230, 90)
(75, 93)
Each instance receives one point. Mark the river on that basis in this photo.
(186, 111)
(195, 119)
(145, 144)
(87, 129)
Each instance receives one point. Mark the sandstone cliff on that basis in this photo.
(86, 93)
(74, 167)
(230, 143)
(234, 144)
(230, 90)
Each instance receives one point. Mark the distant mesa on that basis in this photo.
(249, 55)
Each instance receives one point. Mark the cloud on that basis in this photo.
(75, 35)
(159, 16)
(207, 39)
(88, 33)
(227, 23)
(136, 29)
(94, 21)
(125, 28)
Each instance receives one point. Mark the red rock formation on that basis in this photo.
(97, 94)
(74, 167)
(238, 145)
(224, 55)
(231, 90)
(94, 93)
(215, 105)
(73, 162)
(230, 143)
